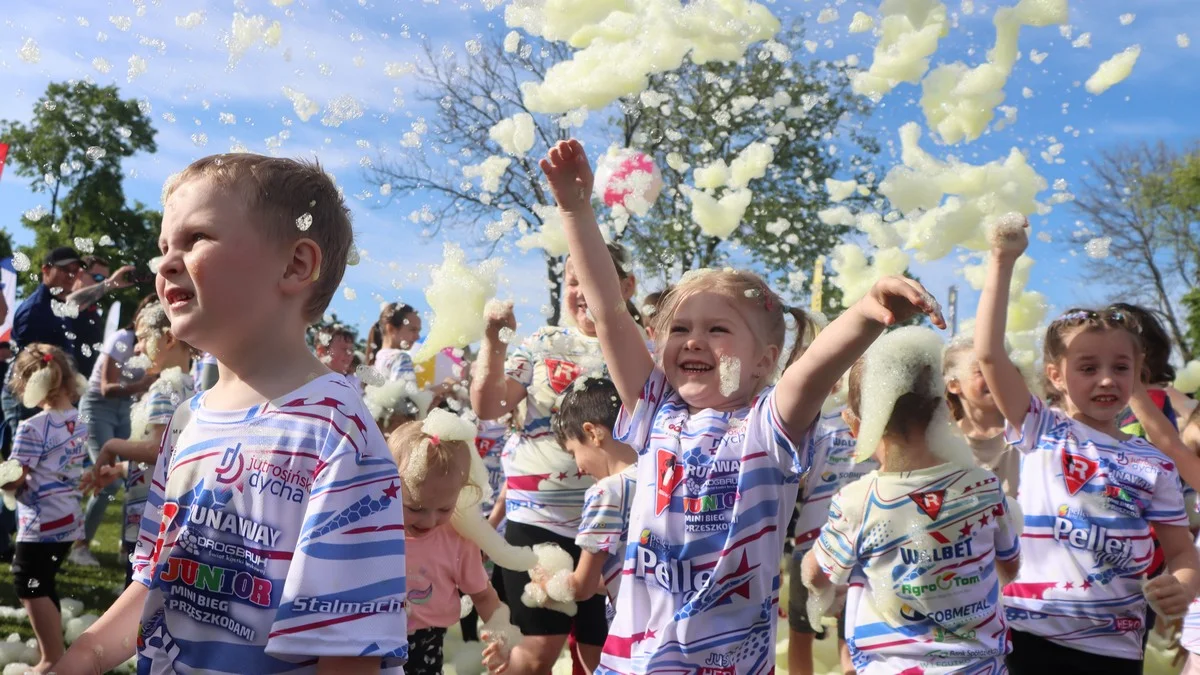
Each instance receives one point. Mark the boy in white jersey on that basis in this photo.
(583, 426)
(926, 542)
(273, 537)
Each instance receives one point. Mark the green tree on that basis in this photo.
(705, 113)
(72, 148)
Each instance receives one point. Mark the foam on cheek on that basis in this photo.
(730, 370)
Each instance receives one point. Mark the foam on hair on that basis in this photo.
(895, 385)
(294, 199)
(43, 372)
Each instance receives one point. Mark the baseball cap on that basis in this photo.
(63, 255)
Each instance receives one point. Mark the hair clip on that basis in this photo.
(1077, 315)
(434, 440)
(47, 357)
(768, 303)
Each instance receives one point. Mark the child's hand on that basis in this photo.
(98, 478)
(1167, 596)
(108, 455)
(499, 316)
(495, 658)
(895, 299)
(566, 167)
(1009, 236)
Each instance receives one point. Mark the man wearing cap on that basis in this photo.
(36, 321)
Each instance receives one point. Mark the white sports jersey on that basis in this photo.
(1190, 639)
(1088, 501)
(51, 445)
(489, 442)
(167, 393)
(545, 486)
(833, 467)
(700, 583)
(919, 551)
(395, 364)
(605, 526)
(272, 536)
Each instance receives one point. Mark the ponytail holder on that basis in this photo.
(434, 440)
(47, 357)
(768, 304)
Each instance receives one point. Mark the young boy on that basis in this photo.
(273, 537)
(583, 425)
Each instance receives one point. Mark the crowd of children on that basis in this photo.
(299, 515)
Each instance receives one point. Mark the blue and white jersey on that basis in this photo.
(919, 551)
(1088, 500)
(51, 445)
(395, 365)
(832, 468)
(700, 582)
(605, 526)
(272, 536)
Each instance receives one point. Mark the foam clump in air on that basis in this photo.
(457, 295)
(10, 470)
(861, 22)
(959, 101)
(1187, 380)
(386, 398)
(951, 203)
(621, 43)
(550, 585)
(902, 362)
(489, 172)
(303, 106)
(247, 31)
(855, 274)
(1113, 71)
(719, 217)
(909, 35)
(551, 238)
(515, 135)
(750, 164)
(713, 176)
(840, 189)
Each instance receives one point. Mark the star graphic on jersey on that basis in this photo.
(983, 520)
(562, 476)
(965, 531)
(1087, 583)
(392, 491)
(579, 474)
(967, 489)
(998, 511)
(1068, 586)
(648, 634)
(736, 582)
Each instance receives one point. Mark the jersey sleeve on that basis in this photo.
(472, 577)
(1008, 539)
(402, 368)
(634, 427)
(145, 555)
(1037, 419)
(1166, 504)
(28, 445)
(837, 546)
(603, 519)
(159, 408)
(350, 550)
(519, 364)
(793, 455)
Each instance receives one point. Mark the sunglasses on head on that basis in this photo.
(1076, 316)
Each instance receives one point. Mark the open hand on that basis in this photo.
(566, 167)
(495, 657)
(895, 299)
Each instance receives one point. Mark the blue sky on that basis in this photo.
(339, 48)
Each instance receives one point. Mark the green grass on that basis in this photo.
(93, 586)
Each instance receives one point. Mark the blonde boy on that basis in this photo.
(272, 540)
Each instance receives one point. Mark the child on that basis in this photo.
(273, 536)
(169, 361)
(833, 467)
(396, 331)
(334, 346)
(1190, 639)
(583, 426)
(975, 413)
(926, 541)
(50, 447)
(439, 563)
(1088, 491)
(723, 450)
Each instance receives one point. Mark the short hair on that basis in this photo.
(324, 335)
(90, 261)
(592, 400)
(294, 199)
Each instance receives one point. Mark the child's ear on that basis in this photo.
(954, 387)
(303, 268)
(769, 360)
(595, 434)
(1054, 374)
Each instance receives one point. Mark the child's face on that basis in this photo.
(338, 355)
(588, 454)
(711, 355)
(219, 271)
(1097, 373)
(408, 333)
(433, 505)
(970, 386)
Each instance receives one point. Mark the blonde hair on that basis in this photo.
(59, 378)
(952, 359)
(293, 199)
(768, 310)
(417, 455)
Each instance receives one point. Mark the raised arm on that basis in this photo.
(1009, 240)
(86, 297)
(806, 383)
(493, 393)
(629, 364)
